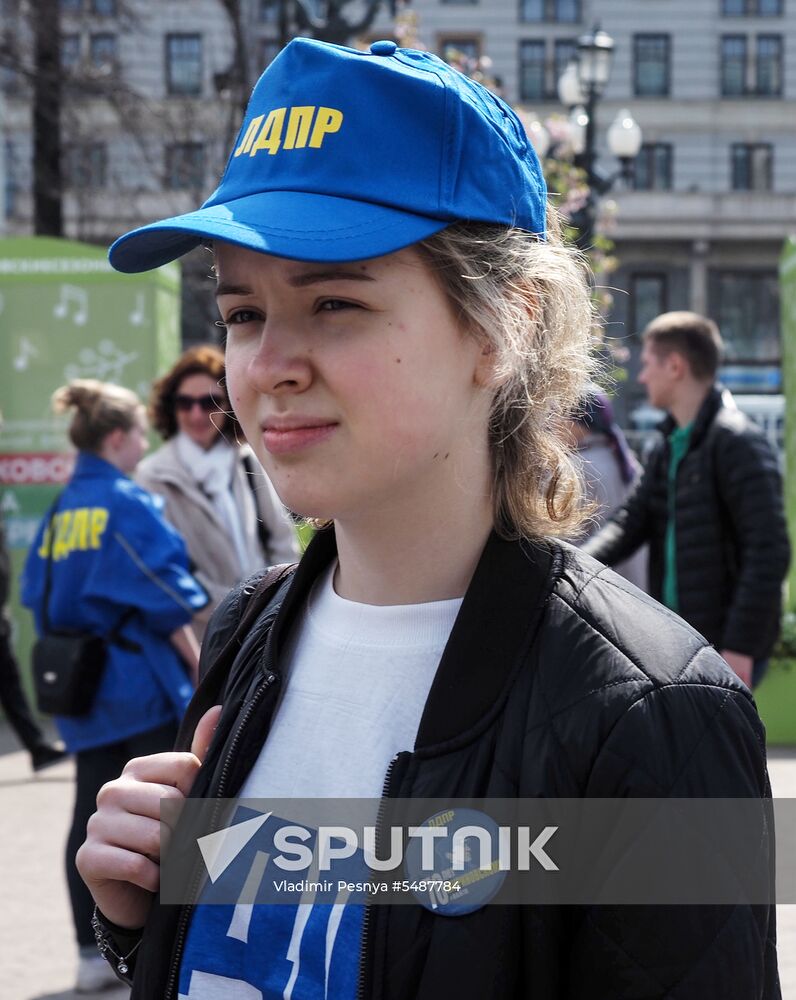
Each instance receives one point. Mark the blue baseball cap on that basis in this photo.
(345, 155)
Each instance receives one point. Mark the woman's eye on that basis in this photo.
(241, 316)
(335, 305)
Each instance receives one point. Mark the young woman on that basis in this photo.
(216, 494)
(118, 570)
(405, 334)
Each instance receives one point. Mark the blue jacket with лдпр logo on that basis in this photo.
(113, 554)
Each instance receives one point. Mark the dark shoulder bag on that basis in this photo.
(68, 665)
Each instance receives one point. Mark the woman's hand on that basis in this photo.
(120, 859)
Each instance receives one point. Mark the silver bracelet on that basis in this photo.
(103, 939)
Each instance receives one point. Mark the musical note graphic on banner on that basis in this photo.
(9, 504)
(106, 363)
(138, 315)
(25, 352)
(73, 305)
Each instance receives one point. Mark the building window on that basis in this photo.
(751, 8)
(455, 50)
(103, 8)
(647, 300)
(565, 50)
(70, 53)
(104, 51)
(768, 71)
(185, 166)
(85, 166)
(741, 76)
(532, 70)
(651, 65)
(71, 6)
(268, 11)
(733, 65)
(653, 167)
(564, 11)
(752, 166)
(184, 65)
(745, 304)
(539, 73)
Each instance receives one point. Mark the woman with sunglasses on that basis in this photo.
(216, 494)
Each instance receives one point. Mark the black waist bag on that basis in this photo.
(67, 671)
(68, 666)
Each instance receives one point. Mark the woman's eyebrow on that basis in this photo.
(297, 281)
(225, 288)
(316, 277)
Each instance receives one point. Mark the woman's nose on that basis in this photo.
(280, 364)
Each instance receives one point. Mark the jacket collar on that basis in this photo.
(92, 466)
(490, 639)
(713, 402)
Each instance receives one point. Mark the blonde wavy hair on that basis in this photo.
(99, 408)
(531, 301)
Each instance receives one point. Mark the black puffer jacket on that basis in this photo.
(559, 679)
(732, 541)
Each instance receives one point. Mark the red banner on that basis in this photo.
(36, 468)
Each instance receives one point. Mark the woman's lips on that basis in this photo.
(281, 442)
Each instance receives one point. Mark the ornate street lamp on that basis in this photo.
(580, 88)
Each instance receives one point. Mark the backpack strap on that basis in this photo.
(211, 687)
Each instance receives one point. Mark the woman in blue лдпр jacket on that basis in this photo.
(114, 558)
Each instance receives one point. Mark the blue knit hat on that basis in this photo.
(345, 155)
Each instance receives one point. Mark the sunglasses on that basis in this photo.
(209, 404)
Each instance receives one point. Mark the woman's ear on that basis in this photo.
(485, 375)
(115, 439)
(484, 366)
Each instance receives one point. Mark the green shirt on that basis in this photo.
(678, 446)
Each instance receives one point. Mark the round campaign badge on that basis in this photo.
(455, 869)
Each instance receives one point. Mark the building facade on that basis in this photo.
(712, 84)
(151, 108)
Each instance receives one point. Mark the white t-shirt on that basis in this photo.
(358, 677)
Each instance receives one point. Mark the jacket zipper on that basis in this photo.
(185, 915)
(385, 793)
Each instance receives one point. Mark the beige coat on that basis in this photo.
(211, 550)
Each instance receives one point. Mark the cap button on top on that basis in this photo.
(385, 48)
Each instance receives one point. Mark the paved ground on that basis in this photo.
(37, 957)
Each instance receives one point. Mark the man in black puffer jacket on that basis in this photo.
(709, 503)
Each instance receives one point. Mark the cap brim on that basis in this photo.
(337, 229)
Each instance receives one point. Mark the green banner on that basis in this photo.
(66, 314)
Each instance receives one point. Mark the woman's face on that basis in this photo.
(132, 446)
(197, 405)
(353, 383)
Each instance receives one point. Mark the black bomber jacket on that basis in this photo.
(559, 679)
